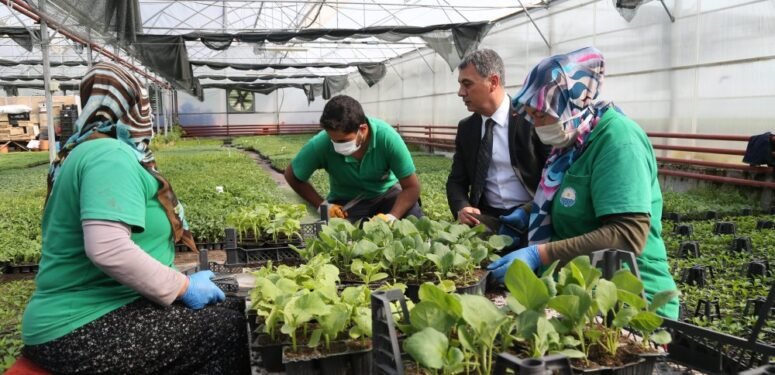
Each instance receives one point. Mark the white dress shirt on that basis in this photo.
(503, 188)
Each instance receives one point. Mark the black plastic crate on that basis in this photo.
(20, 268)
(237, 254)
(550, 364)
(714, 352)
(387, 358)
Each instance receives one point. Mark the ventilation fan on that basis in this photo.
(240, 101)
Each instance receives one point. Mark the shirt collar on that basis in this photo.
(501, 115)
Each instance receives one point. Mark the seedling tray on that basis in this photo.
(20, 268)
(714, 352)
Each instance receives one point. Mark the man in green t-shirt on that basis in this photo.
(368, 165)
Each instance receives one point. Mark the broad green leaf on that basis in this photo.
(624, 317)
(588, 273)
(498, 242)
(266, 289)
(455, 358)
(379, 276)
(585, 299)
(525, 286)
(365, 248)
(567, 306)
(335, 321)
(352, 295)
(624, 279)
(544, 329)
(605, 295)
(467, 338)
(646, 321)
(549, 272)
(429, 314)
(287, 286)
(437, 295)
(662, 298)
(357, 267)
(514, 305)
(634, 300)
(527, 324)
(661, 337)
(405, 228)
(480, 313)
(428, 348)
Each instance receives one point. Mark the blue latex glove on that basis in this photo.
(202, 291)
(529, 255)
(518, 219)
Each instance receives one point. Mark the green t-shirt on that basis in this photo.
(101, 179)
(617, 173)
(386, 161)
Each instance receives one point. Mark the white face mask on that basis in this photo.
(555, 135)
(347, 148)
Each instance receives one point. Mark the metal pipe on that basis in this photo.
(707, 150)
(721, 179)
(713, 137)
(527, 13)
(713, 164)
(52, 136)
(38, 16)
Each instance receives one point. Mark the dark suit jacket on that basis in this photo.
(528, 156)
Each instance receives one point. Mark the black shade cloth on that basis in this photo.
(120, 17)
(21, 36)
(372, 73)
(11, 90)
(261, 88)
(38, 77)
(215, 41)
(465, 37)
(4, 62)
(333, 85)
(253, 79)
(628, 8)
(167, 55)
(759, 150)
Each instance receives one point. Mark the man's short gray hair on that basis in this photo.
(486, 62)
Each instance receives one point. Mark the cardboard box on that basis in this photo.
(17, 130)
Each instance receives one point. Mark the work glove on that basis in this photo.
(529, 255)
(202, 291)
(388, 218)
(334, 210)
(516, 220)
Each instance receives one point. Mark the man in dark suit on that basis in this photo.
(498, 156)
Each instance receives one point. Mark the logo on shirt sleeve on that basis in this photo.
(568, 197)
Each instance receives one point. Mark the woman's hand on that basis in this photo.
(202, 291)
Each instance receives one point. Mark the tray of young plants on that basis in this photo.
(706, 204)
(411, 251)
(723, 271)
(562, 314)
(305, 322)
(266, 232)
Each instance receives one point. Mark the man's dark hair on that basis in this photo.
(342, 113)
(486, 62)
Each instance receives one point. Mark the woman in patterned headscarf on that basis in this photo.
(599, 187)
(106, 291)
